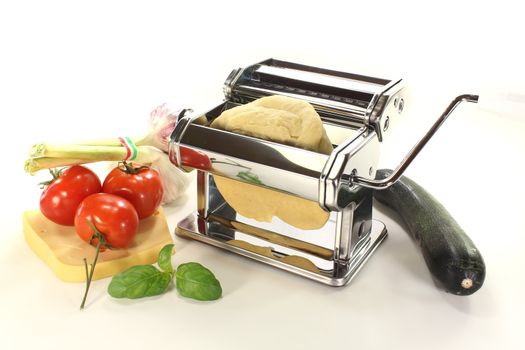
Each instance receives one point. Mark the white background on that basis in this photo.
(71, 70)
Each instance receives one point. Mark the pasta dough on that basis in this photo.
(280, 119)
(263, 204)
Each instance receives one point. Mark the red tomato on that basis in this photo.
(61, 198)
(141, 186)
(113, 216)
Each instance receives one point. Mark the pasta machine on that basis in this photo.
(358, 113)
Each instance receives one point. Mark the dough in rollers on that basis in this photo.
(279, 119)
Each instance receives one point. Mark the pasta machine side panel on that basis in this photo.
(357, 157)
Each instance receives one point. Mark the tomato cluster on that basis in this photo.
(114, 208)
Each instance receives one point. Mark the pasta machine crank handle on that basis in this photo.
(387, 182)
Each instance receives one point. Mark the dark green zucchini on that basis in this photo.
(452, 258)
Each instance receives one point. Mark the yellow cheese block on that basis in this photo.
(61, 248)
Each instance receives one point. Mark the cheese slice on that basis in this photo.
(63, 251)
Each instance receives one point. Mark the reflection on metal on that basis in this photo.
(335, 273)
(331, 255)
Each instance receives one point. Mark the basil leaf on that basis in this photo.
(197, 282)
(164, 259)
(138, 282)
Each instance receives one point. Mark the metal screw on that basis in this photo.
(395, 102)
(370, 171)
(401, 105)
(387, 123)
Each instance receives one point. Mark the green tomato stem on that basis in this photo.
(89, 278)
(86, 270)
(128, 168)
(55, 173)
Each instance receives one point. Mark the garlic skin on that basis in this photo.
(162, 122)
(174, 180)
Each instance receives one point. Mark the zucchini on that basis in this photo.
(453, 260)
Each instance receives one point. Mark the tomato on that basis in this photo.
(113, 216)
(105, 221)
(60, 199)
(142, 186)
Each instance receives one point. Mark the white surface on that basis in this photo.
(70, 71)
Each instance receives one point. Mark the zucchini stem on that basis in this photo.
(467, 283)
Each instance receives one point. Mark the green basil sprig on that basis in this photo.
(197, 282)
(192, 279)
(138, 282)
(164, 259)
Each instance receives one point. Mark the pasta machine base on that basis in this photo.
(212, 231)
